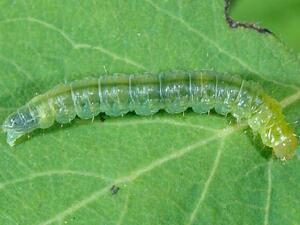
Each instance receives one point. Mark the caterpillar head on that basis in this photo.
(286, 148)
(19, 123)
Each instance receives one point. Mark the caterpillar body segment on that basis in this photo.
(146, 94)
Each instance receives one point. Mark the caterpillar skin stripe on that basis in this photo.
(146, 94)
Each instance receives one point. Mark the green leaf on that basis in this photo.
(170, 169)
(282, 17)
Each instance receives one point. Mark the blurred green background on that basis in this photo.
(282, 17)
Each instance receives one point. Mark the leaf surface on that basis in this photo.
(282, 17)
(166, 169)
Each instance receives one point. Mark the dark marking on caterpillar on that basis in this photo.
(114, 189)
(146, 94)
(236, 24)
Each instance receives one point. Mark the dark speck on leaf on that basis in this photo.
(114, 189)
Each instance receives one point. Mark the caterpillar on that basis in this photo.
(146, 94)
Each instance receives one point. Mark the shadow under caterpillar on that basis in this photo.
(146, 94)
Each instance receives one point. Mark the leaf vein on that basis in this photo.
(139, 172)
(73, 43)
(51, 173)
(269, 192)
(124, 211)
(207, 184)
(214, 43)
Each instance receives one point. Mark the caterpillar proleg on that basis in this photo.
(146, 94)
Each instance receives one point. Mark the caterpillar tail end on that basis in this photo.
(12, 135)
(18, 124)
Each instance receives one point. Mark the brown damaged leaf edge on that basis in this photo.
(236, 24)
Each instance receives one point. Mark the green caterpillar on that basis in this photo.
(146, 94)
